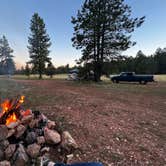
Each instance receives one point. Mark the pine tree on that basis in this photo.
(39, 42)
(7, 64)
(102, 31)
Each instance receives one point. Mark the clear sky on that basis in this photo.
(15, 18)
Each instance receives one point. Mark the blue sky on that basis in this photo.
(15, 18)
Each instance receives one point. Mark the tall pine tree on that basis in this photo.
(39, 42)
(102, 31)
(7, 65)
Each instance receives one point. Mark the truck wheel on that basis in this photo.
(143, 82)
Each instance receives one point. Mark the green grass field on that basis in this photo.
(160, 78)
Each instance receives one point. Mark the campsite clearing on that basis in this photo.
(119, 124)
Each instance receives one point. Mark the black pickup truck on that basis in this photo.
(132, 77)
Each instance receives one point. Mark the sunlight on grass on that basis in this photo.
(35, 77)
(160, 78)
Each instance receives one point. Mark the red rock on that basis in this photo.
(26, 113)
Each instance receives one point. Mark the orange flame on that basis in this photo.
(11, 119)
(7, 105)
(21, 99)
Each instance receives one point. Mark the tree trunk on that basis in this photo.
(40, 76)
(40, 70)
(97, 72)
(102, 47)
(97, 64)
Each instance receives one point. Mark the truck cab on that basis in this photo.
(132, 77)
(127, 76)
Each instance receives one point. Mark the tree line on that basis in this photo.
(49, 70)
(141, 64)
(102, 31)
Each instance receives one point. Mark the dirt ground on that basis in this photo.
(122, 124)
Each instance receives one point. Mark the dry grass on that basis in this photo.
(159, 78)
(35, 77)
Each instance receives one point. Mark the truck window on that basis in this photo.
(130, 74)
(124, 74)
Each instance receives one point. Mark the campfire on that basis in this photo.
(11, 111)
(27, 136)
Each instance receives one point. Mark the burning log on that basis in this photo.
(11, 110)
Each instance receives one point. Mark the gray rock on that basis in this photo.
(4, 144)
(27, 119)
(39, 132)
(69, 158)
(41, 140)
(51, 136)
(45, 150)
(20, 157)
(31, 138)
(10, 151)
(43, 117)
(10, 133)
(68, 141)
(20, 130)
(3, 132)
(2, 155)
(34, 123)
(51, 124)
(33, 150)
